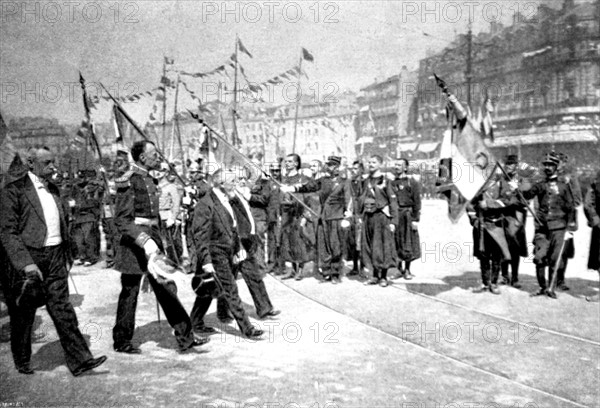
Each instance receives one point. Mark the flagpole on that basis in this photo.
(141, 132)
(234, 132)
(164, 118)
(298, 96)
(174, 119)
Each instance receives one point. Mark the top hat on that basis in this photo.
(334, 160)
(551, 158)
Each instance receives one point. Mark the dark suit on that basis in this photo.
(252, 268)
(216, 241)
(22, 234)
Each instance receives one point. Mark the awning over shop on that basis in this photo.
(428, 147)
(563, 137)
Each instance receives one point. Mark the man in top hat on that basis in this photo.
(515, 216)
(335, 196)
(556, 214)
(36, 260)
(408, 194)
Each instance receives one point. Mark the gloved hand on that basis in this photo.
(568, 235)
(160, 267)
(150, 248)
(33, 272)
(414, 225)
(209, 268)
(169, 222)
(303, 222)
(345, 224)
(392, 228)
(240, 256)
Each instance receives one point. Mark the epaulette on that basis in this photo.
(124, 180)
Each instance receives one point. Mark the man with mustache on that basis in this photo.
(556, 214)
(37, 258)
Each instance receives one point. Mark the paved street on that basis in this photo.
(425, 343)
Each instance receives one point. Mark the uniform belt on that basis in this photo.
(148, 222)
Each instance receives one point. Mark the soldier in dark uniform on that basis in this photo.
(515, 217)
(491, 246)
(352, 250)
(139, 252)
(335, 198)
(293, 220)
(556, 213)
(275, 263)
(592, 213)
(565, 174)
(86, 223)
(379, 209)
(408, 194)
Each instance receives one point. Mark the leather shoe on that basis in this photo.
(551, 294)
(288, 275)
(205, 330)
(254, 333)
(516, 285)
(298, 276)
(408, 275)
(384, 283)
(89, 365)
(128, 349)
(482, 289)
(563, 287)
(335, 280)
(494, 289)
(198, 341)
(372, 281)
(25, 369)
(272, 313)
(540, 292)
(504, 281)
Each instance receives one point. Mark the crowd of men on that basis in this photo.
(252, 220)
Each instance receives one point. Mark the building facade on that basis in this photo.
(542, 74)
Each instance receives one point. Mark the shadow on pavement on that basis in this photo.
(51, 355)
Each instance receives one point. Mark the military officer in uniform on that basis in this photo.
(556, 214)
(139, 252)
(592, 213)
(335, 198)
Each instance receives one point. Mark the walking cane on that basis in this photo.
(73, 282)
(557, 264)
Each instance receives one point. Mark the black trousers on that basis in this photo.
(252, 270)
(87, 239)
(110, 235)
(275, 262)
(52, 263)
(223, 264)
(168, 300)
(547, 250)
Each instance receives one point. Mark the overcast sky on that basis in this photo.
(44, 44)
